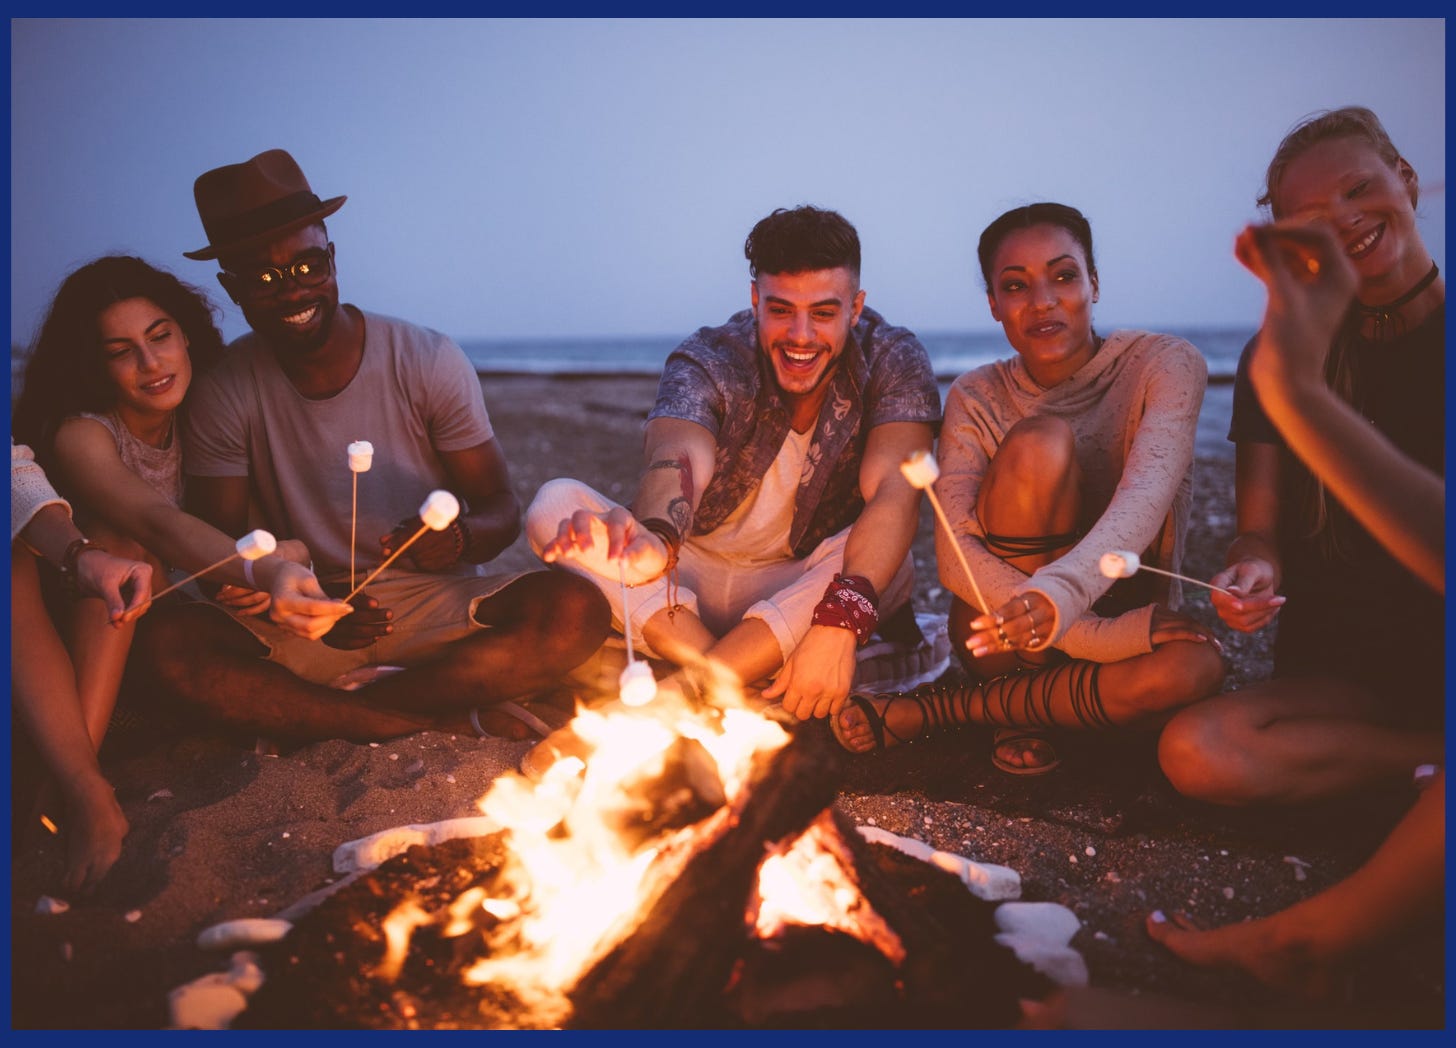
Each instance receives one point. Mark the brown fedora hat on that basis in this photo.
(245, 204)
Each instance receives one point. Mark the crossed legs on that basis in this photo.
(542, 625)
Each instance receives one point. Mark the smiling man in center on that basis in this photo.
(771, 527)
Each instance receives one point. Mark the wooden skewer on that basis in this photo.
(437, 513)
(960, 553)
(626, 612)
(353, 528)
(361, 456)
(921, 471)
(1123, 564)
(387, 562)
(1185, 578)
(189, 578)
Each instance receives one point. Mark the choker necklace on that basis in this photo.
(1386, 319)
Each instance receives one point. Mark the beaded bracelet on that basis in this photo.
(672, 539)
(69, 558)
(462, 537)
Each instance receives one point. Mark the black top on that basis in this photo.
(1358, 611)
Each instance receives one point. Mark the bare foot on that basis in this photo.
(1022, 752)
(1267, 949)
(898, 717)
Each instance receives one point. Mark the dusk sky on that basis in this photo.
(519, 178)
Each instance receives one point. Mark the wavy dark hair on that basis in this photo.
(801, 240)
(1045, 213)
(66, 373)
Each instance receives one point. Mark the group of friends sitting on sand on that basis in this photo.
(771, 528)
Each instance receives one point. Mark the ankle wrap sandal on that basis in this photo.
(1064, 695)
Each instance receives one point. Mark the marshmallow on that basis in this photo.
(439, 510)
(256, 544)
(1119, 564)
(361, 456)
(920, 469)
(637, 684)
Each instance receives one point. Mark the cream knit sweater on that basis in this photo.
(30, 492)
(1134, 409)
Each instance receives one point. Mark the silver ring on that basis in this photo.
(1005, 640)
(1026, 603)
(1035, 638)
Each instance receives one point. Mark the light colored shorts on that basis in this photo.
(431, 612)
(721, 592)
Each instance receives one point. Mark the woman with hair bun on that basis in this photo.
(1075, 446)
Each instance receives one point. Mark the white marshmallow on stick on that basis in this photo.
(636, 684)
(361, 457)
(438, 512)
(1124, 564)
(254, 544)
(921, 471)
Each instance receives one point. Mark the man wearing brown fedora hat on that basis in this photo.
(268, 443)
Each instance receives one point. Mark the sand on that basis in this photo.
(221, 832)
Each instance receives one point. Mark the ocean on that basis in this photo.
(951, 353)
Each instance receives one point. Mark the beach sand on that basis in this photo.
(222, 832)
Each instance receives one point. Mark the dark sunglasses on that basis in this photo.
(309, 269)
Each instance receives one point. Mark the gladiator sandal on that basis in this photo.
(1065, 695)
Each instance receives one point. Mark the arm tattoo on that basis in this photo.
(680, 509)
(680, 512)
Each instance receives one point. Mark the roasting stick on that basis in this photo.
(251, 546)
(361, 457)
(921, 471)
(637, 684)
(439, 510)
(1124, 564)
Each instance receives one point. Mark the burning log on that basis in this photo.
(672, 969)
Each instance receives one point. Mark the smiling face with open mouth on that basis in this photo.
(293, 318)
(146, 358)
(1042, 292)
(804, 320)
(1370, 203)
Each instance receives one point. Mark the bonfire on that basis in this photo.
(686, 870)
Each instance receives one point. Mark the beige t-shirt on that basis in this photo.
(414, 396)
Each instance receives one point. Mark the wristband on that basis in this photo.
(248, 573)
(672, 539)
(849, 603)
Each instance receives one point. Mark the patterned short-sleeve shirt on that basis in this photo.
(720, 379)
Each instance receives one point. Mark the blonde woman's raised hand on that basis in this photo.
(1311, 284)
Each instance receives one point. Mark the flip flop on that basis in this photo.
(533, 715)
(1001, 736)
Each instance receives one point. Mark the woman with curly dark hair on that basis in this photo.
(107, 377)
